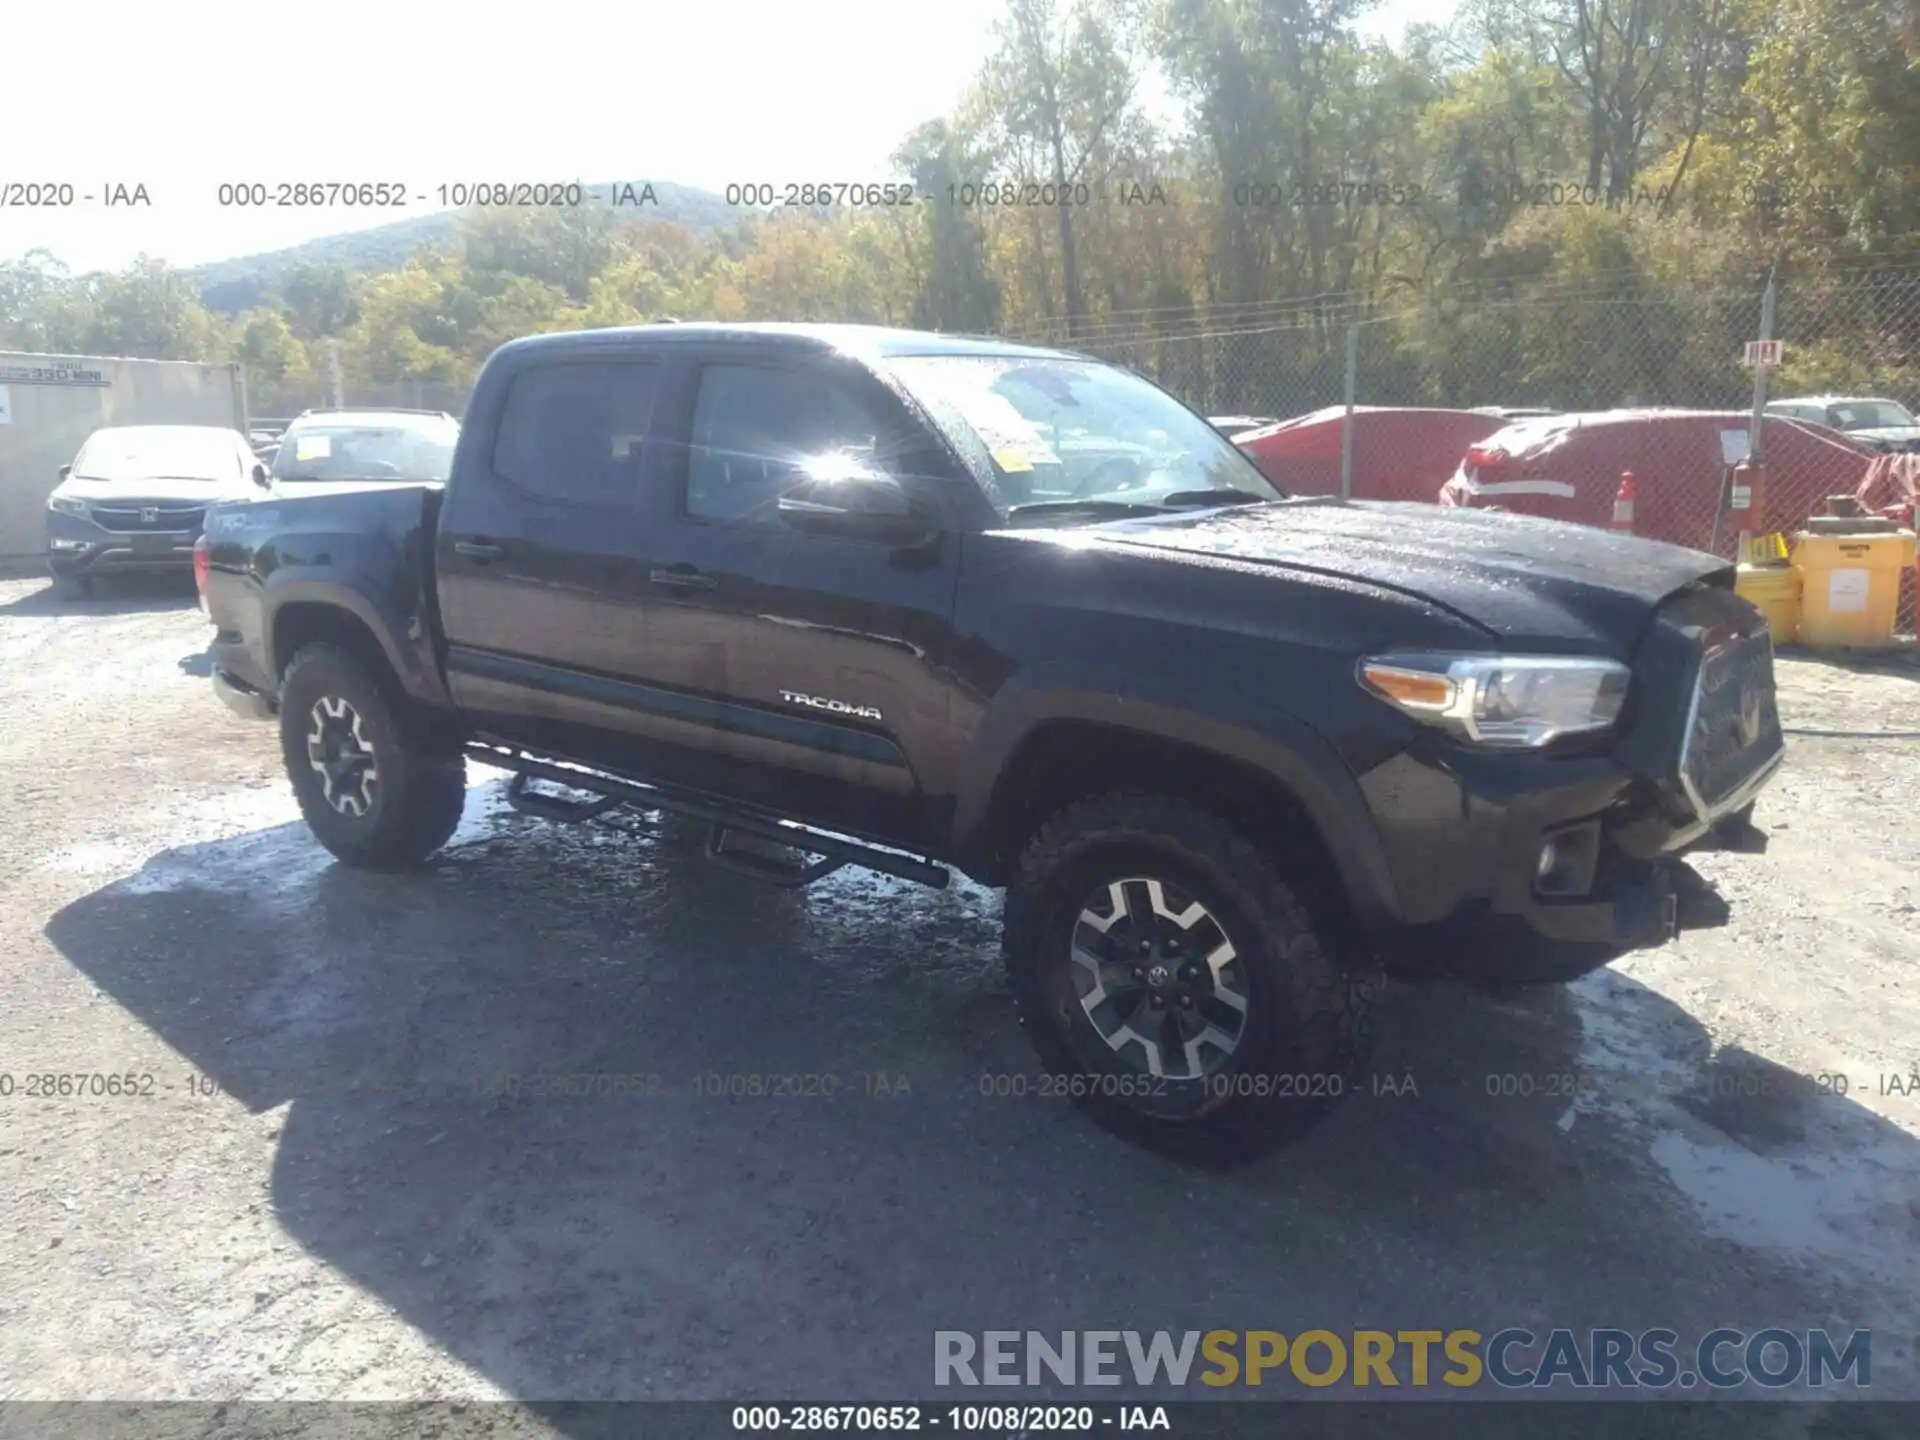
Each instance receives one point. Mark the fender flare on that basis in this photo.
(357, 594)
(1285, 749)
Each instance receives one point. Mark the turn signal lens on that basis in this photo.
(1418, 688)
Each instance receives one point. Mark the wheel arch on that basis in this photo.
(300, 610)
(1285, 788)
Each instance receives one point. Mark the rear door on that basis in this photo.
(542, 553)
(805, 673)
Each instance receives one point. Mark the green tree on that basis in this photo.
(956, 290)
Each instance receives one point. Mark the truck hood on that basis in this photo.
(1519, 577)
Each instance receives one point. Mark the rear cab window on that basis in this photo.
(573, 432)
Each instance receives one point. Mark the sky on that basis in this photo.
(182, 99)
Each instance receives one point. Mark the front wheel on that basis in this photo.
(1176, 981)
(72, 587)
(376, 789)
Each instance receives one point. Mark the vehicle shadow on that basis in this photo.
(809, 1135)
(133, 594)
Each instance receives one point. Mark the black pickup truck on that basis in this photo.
(912, 601)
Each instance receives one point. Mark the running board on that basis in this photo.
(787, 874)
(552, 807)
(835, 851)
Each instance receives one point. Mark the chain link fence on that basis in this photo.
(1655, 380)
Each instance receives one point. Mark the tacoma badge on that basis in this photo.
(838, 707)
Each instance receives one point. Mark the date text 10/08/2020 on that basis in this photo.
(958, 1419)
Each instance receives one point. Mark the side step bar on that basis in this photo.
(835, 851)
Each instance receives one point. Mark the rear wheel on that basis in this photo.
(1178, 983)
(376, 788)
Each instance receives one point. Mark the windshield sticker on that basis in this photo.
(312, 447)
(1011, 460)
(1004, 429)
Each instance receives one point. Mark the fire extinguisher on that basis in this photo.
(1623, 500)
(1747, 497)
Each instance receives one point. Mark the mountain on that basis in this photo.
(230, 286)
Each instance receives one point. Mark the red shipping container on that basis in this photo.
(1568, 467)
(1399, 452)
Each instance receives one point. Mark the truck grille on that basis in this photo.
(1733, 732)
(134, 516)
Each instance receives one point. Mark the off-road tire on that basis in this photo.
(1306, 1024)
(421, 778)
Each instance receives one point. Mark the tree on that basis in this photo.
(956, 290)
(320, 300)
(1051, 96)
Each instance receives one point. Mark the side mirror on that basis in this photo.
(65, 470)
(859, 504)
(261, 477)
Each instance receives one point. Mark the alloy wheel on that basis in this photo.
(1159, 979)
(340, 753)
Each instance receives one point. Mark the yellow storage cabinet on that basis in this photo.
(1775, 591)
(1850, 580)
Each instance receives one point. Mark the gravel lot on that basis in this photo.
(316, 1200)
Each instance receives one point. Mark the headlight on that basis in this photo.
(67, 505)
(1510, 700)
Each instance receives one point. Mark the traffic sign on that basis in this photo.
(1764, 352)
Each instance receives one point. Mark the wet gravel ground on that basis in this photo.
(314, 1191)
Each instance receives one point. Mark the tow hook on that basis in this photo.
(1670, 898)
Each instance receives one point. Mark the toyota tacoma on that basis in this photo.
(924, 603)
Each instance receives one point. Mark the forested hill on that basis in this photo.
(232, 286)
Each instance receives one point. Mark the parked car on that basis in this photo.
(364, 446)
(1234, 426)
(1568, 467)
(1884, 425)
(1399, 452)
(134, 497)
(1231, 753)
(1514, 412)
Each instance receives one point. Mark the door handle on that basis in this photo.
(681, 577)
(478, 549)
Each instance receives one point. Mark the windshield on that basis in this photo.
(137, 454)
(1868, 415)
(1082, 439)
(366, 452)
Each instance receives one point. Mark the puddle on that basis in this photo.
(275, 859)
(1760, 1158)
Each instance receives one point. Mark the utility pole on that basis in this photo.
(1346, 425)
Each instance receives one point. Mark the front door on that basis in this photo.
(812, 672)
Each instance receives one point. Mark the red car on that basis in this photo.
(1399, 452)
(1568, 467)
